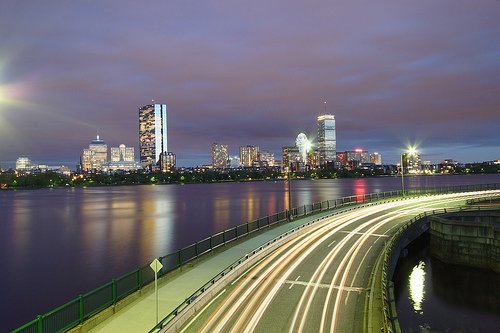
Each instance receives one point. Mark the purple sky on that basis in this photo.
(251, 72)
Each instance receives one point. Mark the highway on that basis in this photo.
(318, 281)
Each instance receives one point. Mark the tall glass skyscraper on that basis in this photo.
(327, 140)
(152, 135)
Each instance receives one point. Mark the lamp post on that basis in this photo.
(411, 151)
(289, 195)
(402, 177)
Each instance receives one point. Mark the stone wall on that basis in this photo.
(467, 238)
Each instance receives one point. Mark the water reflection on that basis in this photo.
(417, 286)
(360, 186)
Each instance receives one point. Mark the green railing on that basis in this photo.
(87, 305)
(398, 241)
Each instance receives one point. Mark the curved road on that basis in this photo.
(319, 281)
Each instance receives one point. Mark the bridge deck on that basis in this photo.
(357, 312)
(173, 289)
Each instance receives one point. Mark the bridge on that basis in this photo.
(325, 272)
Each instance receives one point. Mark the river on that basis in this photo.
(58, 243)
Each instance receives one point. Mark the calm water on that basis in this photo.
(56, 244)
(432, 296)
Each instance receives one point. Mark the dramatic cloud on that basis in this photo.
(254, 72)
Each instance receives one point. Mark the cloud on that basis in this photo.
(253, 73)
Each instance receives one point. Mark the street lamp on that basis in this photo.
(411, 151)
(290, 217)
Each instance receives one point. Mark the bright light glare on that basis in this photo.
(417, 286)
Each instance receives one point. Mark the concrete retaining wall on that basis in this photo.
(468, 238)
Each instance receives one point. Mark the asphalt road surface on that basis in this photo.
(319, 281)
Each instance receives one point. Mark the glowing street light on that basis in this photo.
(410, 151)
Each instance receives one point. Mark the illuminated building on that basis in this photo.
(357, 156)
(376, 158)
(292, 159)
(167, 162)
(122, 159)
(152, 135)
(94, 156)
(122, 154)
(342, 158)
(312, 159)
(267, 157)
(327, 141)
(220, 156)
(412, 163)
(234, 162)
(248, 155)
(24, 164)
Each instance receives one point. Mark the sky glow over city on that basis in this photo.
(251, 73)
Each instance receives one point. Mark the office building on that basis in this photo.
(23, 164)
(412, 163)
(152, 135)
(94, 156)
(168, 162)
(220, 156)
(327, 141)
(267, 157)
(292, 159)
(376, 158)
(248, 155)
(357, 156)
(122, 154)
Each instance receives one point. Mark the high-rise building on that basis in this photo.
(412, 163)
(220, 156)
(152, 135)
(94, 156)
(292, 159)
(327, 140)
(357, 156)
(376, 158)
(248, 155)
(122, 154)
(267, 157)
(167, 162)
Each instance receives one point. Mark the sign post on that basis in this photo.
(156, 266)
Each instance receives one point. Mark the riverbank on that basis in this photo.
(14, 181)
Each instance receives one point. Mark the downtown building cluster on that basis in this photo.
(302, 156)
(153, 152)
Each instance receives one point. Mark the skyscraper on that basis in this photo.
(94, 156)
(152, 135)
(220, 156)
(327, 141)
(248, 155)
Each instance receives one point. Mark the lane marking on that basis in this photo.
(298, 277)
(202, 310)
(363, 233)
(331, 244)
(325, 286)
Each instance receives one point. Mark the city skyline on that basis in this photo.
(252, 74)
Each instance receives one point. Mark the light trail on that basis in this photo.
(243, 309)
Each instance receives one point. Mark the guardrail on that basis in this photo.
(390, 261)
(83, 307)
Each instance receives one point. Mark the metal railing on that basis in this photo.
(389, 260)
(78, 310)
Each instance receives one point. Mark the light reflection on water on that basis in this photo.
(56, 244)
(416, 286)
